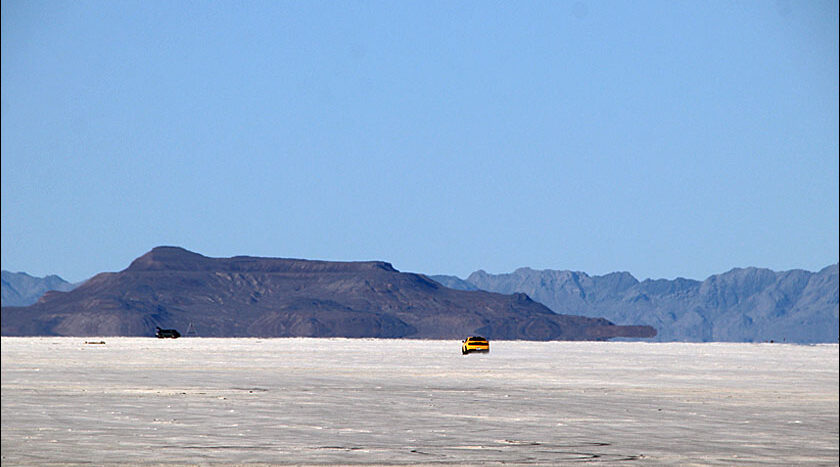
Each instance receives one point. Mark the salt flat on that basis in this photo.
(328, 401)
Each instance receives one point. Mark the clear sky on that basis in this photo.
(663, 138)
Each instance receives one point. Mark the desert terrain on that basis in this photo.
(130, 401)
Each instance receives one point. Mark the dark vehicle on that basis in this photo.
(164, 333)
(475, 344)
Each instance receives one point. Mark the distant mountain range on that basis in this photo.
(246, 296)
(21, 289)
(742, 305)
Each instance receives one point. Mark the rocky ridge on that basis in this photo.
(247, 296)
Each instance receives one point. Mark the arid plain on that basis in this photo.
(107, 401)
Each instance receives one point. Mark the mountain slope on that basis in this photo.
(742, 305)
(21, 289)
(271, 297)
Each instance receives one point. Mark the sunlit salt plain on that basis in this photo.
(349, 401)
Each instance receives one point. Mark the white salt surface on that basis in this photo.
(317, 401)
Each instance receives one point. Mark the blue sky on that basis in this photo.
(667, 139)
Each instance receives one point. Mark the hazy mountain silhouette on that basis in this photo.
(742, 305)
(21, 289)
(171, 287)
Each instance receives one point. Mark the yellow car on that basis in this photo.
(475, 344)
